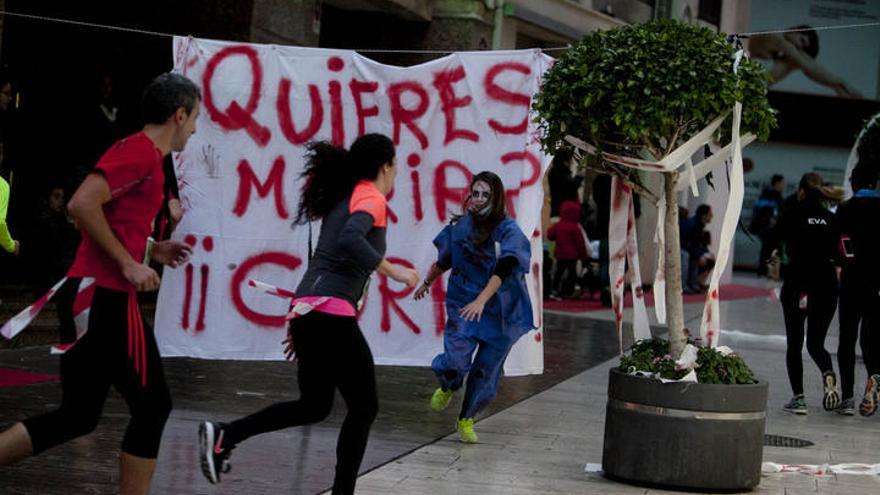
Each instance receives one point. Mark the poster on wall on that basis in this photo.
(831, 62)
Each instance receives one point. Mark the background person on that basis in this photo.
(809, 292)
(857, 220)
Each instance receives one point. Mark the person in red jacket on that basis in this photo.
(571, 246)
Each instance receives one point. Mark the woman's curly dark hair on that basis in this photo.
(331, 172)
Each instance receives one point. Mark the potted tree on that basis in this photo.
(636, 93)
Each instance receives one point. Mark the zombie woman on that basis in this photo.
(487, 302)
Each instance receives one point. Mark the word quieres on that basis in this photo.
(408, 101)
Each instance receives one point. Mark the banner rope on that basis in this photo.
(381, 50)
(817, 28)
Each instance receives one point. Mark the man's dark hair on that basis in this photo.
(863, 177)
(812, 48)
(165, 94)
(776, 179)
(702, 210)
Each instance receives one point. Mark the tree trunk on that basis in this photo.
(674, 310)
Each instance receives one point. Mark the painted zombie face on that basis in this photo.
(481, 197)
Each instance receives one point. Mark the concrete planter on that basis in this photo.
(684, 435)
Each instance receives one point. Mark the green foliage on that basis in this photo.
(636, 88)
(712, 367)
(868, 147)
(651, 355)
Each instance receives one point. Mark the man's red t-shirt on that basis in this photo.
(133, 170)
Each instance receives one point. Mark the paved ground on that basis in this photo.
(543, 444)
(536, 439)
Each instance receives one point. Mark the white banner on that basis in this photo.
(239, 183)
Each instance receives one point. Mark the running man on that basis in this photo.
(114, 208)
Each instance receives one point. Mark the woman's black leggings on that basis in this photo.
(331, 353)
(859, 303)
(565, 277)
(101, 359)
(821, 302)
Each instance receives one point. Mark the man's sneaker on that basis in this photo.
(872, 396)
(213, 455)
(465, 429)
(831, 397)
(440, 399)
(797, 405)
(846, 407)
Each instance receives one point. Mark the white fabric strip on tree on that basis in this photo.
(660, 275)
(623, 246)
(709, 328)
(617, 232)
(715, 162)
(689, 168)
(641, 327)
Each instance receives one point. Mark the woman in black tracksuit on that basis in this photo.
(860, 289)
(809, 242)
(346, 190)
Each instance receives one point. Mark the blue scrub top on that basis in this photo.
(509, 312)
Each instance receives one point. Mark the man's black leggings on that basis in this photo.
(331, 353)
(101, 359)
(821, 303)
(859, 303)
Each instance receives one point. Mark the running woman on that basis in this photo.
(487, 301)
(860, 289)
(809, 291)
(114, 208)
(345, 190)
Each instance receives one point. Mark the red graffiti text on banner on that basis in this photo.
(444, 81)
(285, 117)
(274, 183)
(239, 281)
(443, 194)
(390, 298)
(235, 117)
(535, 165)
(497, 93)
(402, 115)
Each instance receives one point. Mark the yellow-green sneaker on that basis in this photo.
(441, 399)
(465, 429)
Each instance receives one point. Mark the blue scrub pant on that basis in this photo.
(483, 371)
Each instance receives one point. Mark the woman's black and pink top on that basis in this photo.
(350, 247)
